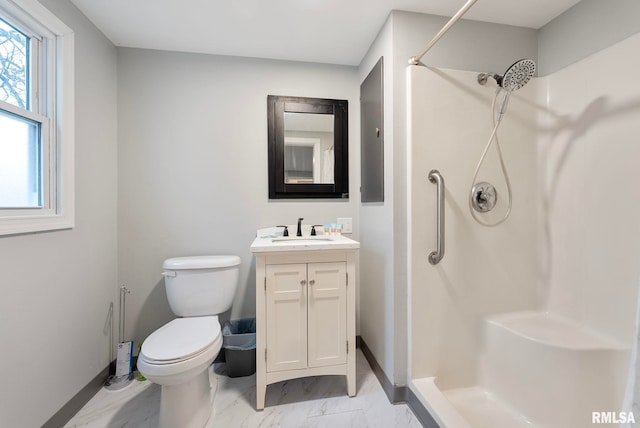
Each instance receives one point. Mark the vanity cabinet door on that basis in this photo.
(286, 313)
(327, 313)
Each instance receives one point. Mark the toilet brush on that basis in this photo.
(124, 360)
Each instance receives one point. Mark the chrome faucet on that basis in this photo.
(299, 232)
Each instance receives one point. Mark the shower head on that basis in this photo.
(518, 75)
(514, 78)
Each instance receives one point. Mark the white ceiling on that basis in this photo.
(328, 31)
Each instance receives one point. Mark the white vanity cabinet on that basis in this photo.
(305, 311)
(306, 315)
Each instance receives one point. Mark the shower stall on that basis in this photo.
(531, 322)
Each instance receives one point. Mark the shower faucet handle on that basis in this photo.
(484, 197)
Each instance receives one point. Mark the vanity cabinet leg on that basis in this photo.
(351, 386)
(351, 380)
(261, 391)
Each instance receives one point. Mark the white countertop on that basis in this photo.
(305, 243)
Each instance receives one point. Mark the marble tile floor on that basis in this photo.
(308, 402)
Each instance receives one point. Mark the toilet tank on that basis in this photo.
(201, 285)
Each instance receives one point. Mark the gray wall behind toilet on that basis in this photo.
(192, 165)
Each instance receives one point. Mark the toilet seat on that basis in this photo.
(180, 340)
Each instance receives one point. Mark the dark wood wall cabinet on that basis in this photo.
(308, 147)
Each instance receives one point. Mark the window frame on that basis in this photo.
(52, 105)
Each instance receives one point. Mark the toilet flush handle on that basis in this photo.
(171, 274)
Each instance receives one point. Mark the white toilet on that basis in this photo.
(178, 354)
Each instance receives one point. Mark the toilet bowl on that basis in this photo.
(179, 349)
(178, 354)
(177, 357)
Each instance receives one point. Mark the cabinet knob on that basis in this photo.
(311, 282)
(303, 282)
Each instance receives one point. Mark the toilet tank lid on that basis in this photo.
(200, 262)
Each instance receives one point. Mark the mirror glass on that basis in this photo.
(308, 147)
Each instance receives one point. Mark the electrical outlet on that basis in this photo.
(347, 224)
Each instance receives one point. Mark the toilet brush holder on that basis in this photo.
(124, 361)
(115, 383)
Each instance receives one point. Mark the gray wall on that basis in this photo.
(192, 165)
(469, 45)
(376, 296)
(57, 286)
(383, 295)
(584, 29)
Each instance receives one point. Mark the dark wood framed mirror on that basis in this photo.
(308, 147)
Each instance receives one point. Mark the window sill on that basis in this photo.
(33, 224)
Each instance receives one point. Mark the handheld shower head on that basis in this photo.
(516, 76)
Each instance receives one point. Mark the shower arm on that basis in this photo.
(415, 60)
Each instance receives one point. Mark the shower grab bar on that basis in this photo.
(415, 60)
(437, 255)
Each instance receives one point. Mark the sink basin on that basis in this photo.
(302, 243)
(301, 238)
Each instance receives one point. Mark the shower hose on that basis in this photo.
(493, 137)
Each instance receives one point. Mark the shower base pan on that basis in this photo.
(536, 369)
(470, 407)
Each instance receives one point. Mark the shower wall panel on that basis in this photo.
(484, 270)
(589, 161)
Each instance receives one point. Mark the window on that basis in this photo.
(36, 119)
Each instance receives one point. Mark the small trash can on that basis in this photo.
(239, 343)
